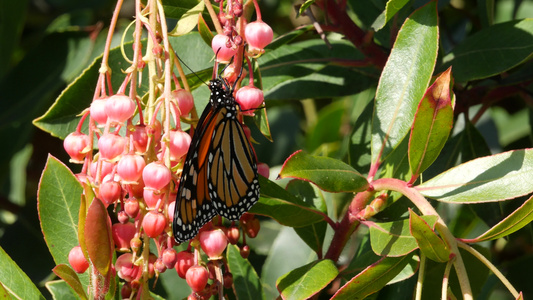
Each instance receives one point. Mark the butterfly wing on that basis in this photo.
(232, 169)
(193, 204)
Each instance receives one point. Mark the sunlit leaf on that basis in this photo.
(428, 241)
(392, 7)
(71, 278)
(492, 50)
(519, 218)
(492, 178)
(432, 125)
(245, 280)
(373, 278)
(12, 278)
(404, 80)
(327, 173)
(394, 238)
(308, 280)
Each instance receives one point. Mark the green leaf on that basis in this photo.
(432, 125)
(98, 240)
(404, 80)
(246, 282)
(60, 290)
(308, 280)
(311, 70)
(327, 173)
(305, 6)
(373, 278)
(392, 7)
(394, 239)
(71, 278)
(288, 37)
(519, 218)
(188, 20)
(58, 204)
(282, 206)
(204, 31)
(492, 178)
(492, 50)
(15, 280)
(428, 241)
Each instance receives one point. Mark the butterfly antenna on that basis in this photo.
(181, 60)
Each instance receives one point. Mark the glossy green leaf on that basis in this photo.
(408, 271)
(394, 238)
(492, 50)
(428, 241)
(59, 203)
(308, 280)
(204, 31)
(392, 7)
(3, 292)
(188, 20)
(282, 206)
(71, 278)
(492, 178)
(305, 6)
(60, 290)
(404, 80)
(15, 280)
(246, 282)
(373, 278)
(327, 173)
(98, 237)
(310, 69)
(432, 125)
(519, 218)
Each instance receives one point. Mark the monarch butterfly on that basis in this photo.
(220, 170)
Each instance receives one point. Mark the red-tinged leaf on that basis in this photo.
(4, 295)
(394, 239)
(432, 125)
(71, 278)
(404, 80)
(308, 280)
(97, 237)
(373, 278)
(13, 279)
(204, 31)
(282, 206)
(86, 199)
(246, 282)
(428, 241)
(327, 173)
(492, 178)
(59, 204)
(513, 222)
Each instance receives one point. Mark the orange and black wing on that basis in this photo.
(194, 207)
(232, 167)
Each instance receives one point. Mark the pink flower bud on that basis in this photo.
(76, 146)
(213, 242)
(119, 108)
(77, 260)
